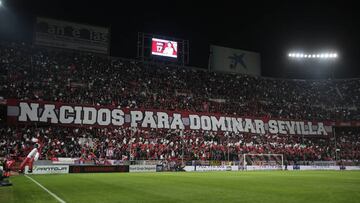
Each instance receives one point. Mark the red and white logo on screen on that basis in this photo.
(162, 47)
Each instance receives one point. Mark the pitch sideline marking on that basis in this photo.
(48, 191)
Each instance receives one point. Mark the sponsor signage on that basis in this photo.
(62, 34)
(350, 168)
(213, 168)
(104, 116)
(225, 59)
(48, 169)
(305, 167)
(255, 167)
(295, 167)
(142, 168)
(159, 168)
(98, 169)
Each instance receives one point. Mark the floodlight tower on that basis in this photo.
(324, 56)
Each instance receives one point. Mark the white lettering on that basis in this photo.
(194, 122)
(117, 117)
(273, 128)
(27, 112)
(148, 120)
(103, 117)
(259, 126)
(66, 114)
(135, 117)
(177, 122)
(49, 113)
(205, 123)
(218, 123)
(249, 127)
(163, 120)
(89, 115)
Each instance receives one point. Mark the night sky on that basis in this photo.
(272, 29)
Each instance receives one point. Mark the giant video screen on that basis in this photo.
(162, 47)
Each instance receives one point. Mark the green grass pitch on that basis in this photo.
(268, 186)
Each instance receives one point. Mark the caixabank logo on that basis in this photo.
(237, 59)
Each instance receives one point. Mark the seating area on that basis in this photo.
(35, 73)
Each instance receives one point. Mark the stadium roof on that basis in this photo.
(272, 28)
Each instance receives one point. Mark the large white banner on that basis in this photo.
(225, 59)
(56, 33)
(102, 116)
(48, 169)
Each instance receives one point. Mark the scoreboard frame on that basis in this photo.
(144, 50)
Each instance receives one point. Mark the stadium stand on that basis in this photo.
(34, 73)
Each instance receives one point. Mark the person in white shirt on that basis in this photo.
(168, 50)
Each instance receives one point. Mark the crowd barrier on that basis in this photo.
(260, 168)
(64, 169)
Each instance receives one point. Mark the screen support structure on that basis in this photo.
(144, 50)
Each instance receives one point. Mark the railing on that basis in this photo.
(199, 162)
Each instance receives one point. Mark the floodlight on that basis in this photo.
(324, 55)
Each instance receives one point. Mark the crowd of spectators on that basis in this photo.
(83, 78)
(34, 73)
(125, 143)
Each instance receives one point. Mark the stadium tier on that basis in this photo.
(31, 73)
(38, 74)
